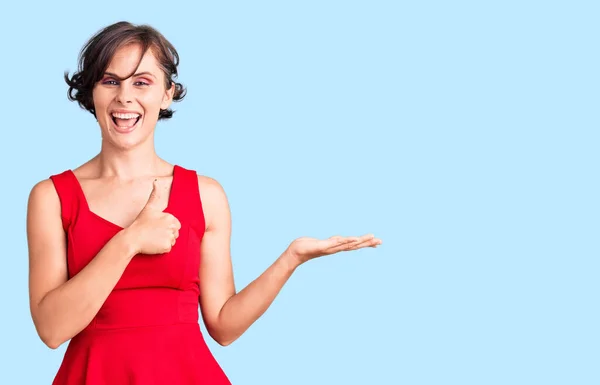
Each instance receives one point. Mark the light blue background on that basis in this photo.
(464, 134)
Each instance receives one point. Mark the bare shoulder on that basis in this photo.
(43, 210)
(210, 187)
(43, 194)
(214, 200)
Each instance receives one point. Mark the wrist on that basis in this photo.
(128, 241)
(290, 259)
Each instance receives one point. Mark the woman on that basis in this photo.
(125, 247)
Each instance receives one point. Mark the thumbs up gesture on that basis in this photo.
(154, 231)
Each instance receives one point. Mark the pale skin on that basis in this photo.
(128, 184)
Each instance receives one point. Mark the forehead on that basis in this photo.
(126, 59)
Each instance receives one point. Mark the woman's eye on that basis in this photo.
(112, 82)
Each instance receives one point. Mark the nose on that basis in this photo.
(124, 94)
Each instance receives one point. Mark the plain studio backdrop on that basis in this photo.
(464, 134)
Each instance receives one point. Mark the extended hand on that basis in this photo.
(305, 248)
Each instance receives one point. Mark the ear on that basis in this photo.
(168, 97)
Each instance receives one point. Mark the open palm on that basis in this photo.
(305, 248)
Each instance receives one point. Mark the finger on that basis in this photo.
(176, 233)
(344, 243)
(174, 223)
(339, 240)
(173, 240)
(373, 242)
(335, 239)
(154, 195)
(330, 242)
(364, 239)
(354, 243)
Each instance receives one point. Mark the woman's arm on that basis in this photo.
(61, 308)
(228, 315)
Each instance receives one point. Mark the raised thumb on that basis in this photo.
(153, 198)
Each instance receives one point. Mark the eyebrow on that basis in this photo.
(134, 75)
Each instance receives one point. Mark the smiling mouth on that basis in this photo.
(125, 122)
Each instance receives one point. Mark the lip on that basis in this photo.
(122, 111)
(122, 130)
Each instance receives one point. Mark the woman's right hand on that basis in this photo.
(154, 231)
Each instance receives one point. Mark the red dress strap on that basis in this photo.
(67, 190)
(185, 198)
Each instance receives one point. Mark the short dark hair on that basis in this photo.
(96, 54)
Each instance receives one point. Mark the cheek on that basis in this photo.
(100, 99)
(152, 101)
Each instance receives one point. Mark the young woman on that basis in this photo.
(125, 248)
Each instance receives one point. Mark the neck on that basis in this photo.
(136, 162)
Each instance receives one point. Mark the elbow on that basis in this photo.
(220, 331)
(50, 341)
(49, 337)
(52, 344)
(224, 342)
(221, 338)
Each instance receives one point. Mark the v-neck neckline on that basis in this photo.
(111, 223)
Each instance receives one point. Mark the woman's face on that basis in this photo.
(127, 110)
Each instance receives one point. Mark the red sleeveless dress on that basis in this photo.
(147, 331)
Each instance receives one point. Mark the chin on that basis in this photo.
(126, 141)
(125, 145)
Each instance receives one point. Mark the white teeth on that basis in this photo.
(125, 116)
